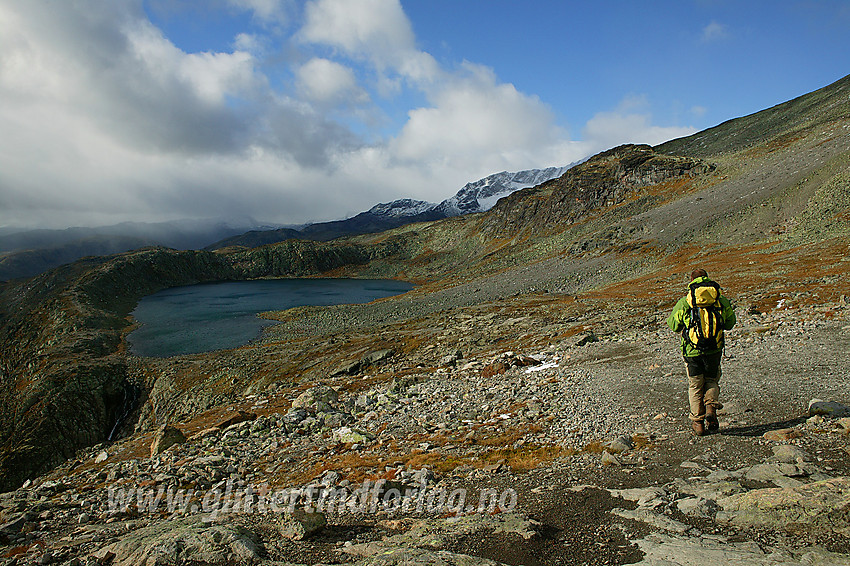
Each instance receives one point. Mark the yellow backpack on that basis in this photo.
(704, 330)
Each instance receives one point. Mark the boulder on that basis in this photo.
(789, 454)
(299, 524)
(234, 418)
(347, 435)
(347, 368)
(13, 526)
(620, 445)
(828, 409)
(321, 399)
(166, 437)
(192, 540)
(581, 339)
(697, 507)
(376, 356)
(609, 459)
(672, 550)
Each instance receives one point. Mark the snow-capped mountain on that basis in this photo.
(402, 208)
(478, 196)
(482, 195)
(474, 197)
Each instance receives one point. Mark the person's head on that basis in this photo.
(696, 273)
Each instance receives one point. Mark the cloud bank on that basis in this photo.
(106, 119)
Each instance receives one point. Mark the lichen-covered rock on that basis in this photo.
(822, 506)
(321, 399)
(192, 540)
(669, 550)
(412, 556)
(299, 524)
(351, 436)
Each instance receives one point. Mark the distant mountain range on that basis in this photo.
(25, 253)
(479, 196)
(28, 253)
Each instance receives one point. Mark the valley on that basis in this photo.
(533, 355)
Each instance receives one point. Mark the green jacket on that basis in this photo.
(680, 317)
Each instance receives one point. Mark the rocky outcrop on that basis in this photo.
(822, 506)
(192, 540)
(605, 180)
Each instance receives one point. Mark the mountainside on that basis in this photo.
(533, 355)
(474, 197)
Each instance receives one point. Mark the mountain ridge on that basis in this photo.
(474, 197)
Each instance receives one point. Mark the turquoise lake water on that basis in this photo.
(215, 316)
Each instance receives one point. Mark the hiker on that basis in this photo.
(701, 316)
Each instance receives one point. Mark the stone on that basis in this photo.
(451, 359)
(376, 356)
(101, 457)
(579, 340)
(828, 409)
(609, 459)
(190, 540)
(652, 518)
(821, 506)
(348, 368)
(321, 399)
(299, 524)
(166, 437)
(438, 532)
(671, 550)
(333, 419)
(347, 435)
(639, 494)
(697, 507)
(782, 435)
(234, 418)
(789, 454)
(13, 526)
(412, 556)
(620, 445)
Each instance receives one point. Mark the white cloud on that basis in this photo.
(715, 31)
(630, 122)
(248, 42)
(105, 119)
(375, 29)
(265, 10)
(326, 81)
(474, 117)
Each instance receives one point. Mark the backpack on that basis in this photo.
(705, 327)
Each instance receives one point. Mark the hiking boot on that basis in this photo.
(699, 428)
(713, 425)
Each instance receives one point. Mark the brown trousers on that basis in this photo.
(703, 383)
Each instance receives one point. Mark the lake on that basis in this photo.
(215, 316)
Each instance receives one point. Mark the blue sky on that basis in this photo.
(290, 111)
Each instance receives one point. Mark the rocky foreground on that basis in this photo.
(572, 452)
